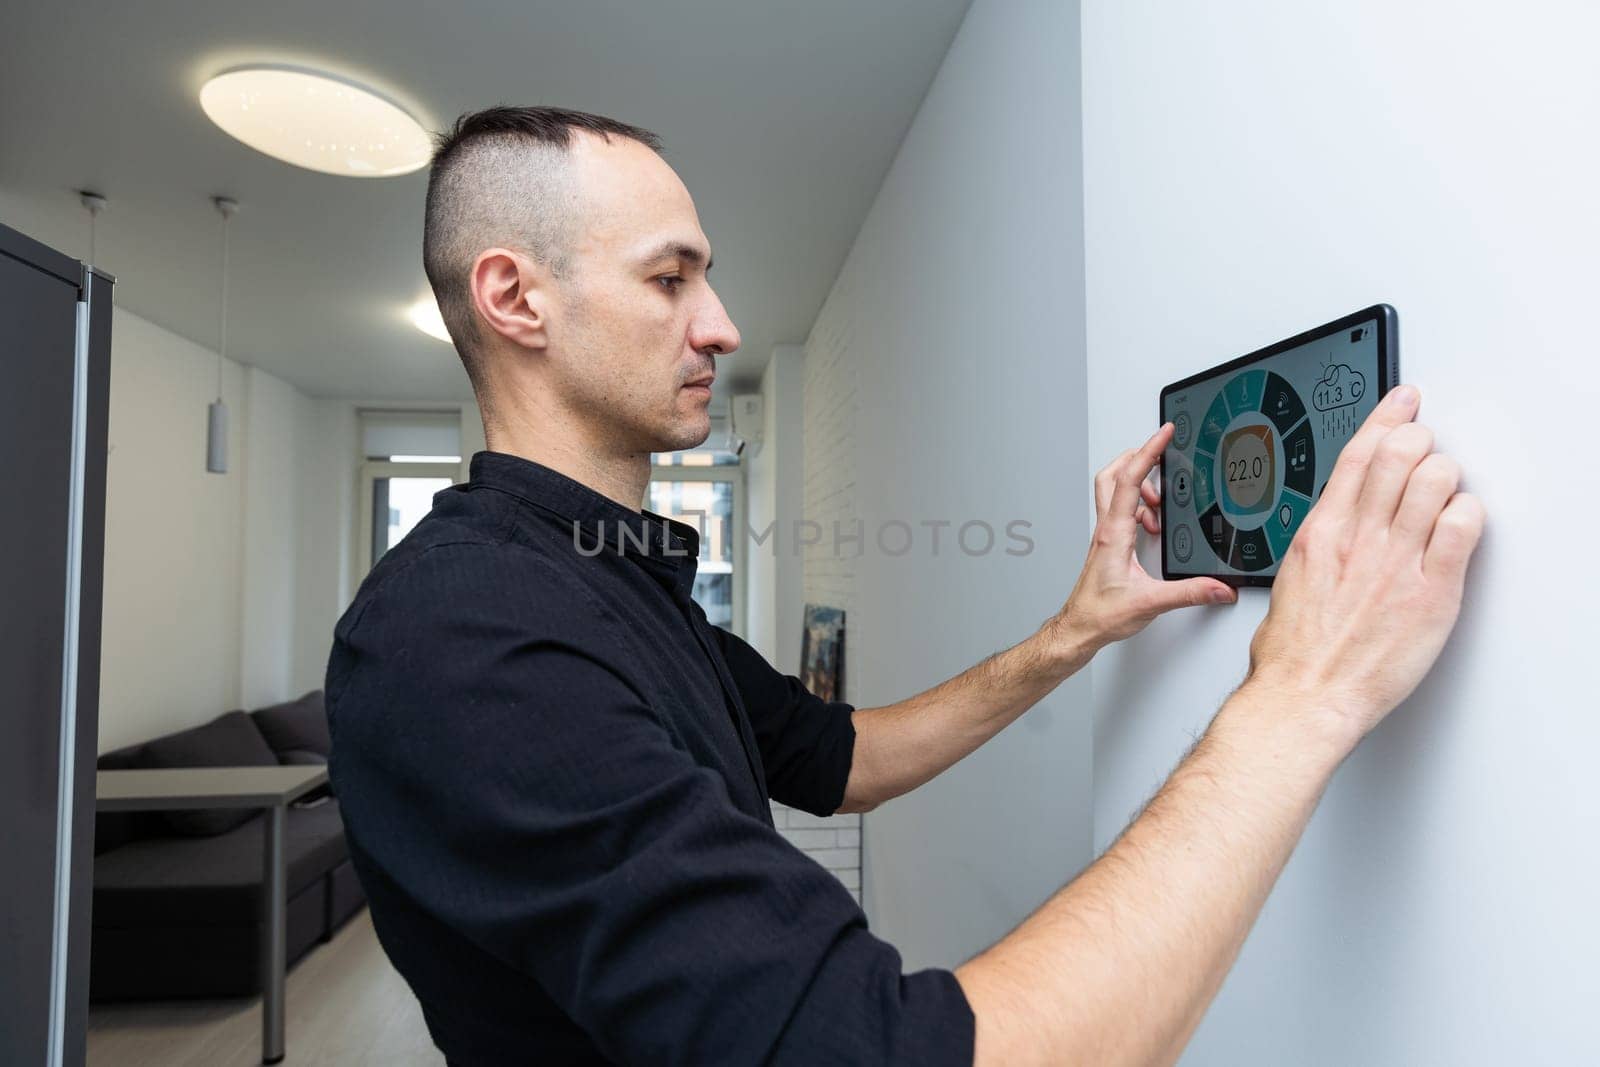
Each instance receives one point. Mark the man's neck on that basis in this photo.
(556, 442)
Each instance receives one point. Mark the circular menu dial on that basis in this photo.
(1254, 462)
(1248, 466)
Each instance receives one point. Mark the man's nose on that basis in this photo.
(714, 332)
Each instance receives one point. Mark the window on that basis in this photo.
(397, 496)
(699, 457)
(407, 457)
(706, 496)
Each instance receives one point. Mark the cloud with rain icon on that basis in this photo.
(1341, 385)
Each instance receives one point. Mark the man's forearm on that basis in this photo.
(903, 745)
(1118, 967)
(900, 746)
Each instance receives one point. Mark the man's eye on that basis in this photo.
(670, 281)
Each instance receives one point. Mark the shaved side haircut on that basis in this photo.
(503, 177)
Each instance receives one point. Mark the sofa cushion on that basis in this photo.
(121, 759)
(187, 881)
(230, 740)
(196, 962)
(298, 725)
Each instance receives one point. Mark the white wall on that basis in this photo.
(944, 381)
(1252, 169)
(269, 426)
(774, 579)
(758, 560)
(325, 546)
(170, 621)
(221, 591)
(774, 494)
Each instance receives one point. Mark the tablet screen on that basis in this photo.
(1256, 439)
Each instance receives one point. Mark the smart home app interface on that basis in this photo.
(1253, 449)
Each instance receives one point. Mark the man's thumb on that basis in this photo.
(1193, 592)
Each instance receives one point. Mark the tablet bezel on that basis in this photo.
(1388, 377)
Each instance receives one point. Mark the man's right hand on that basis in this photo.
(1371, 586)
(1119, 966)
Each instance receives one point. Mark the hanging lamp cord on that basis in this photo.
(222, 326)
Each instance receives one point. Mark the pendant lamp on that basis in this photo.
(217, 412)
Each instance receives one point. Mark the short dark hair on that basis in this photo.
(498, 177)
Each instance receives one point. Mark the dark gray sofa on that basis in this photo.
(177, 895)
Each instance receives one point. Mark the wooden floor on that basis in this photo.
(346, 1005)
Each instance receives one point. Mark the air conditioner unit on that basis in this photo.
(721, 437)
(746, 423)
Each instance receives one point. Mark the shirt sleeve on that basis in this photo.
(518, 789)
(807, 743)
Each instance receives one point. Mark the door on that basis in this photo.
(52, 418)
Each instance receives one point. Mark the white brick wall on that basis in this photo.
(830, 477)
(938, 392)
(830, 496)
(834, 842)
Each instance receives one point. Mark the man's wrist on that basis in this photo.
(1307, 720)
(1069, 642)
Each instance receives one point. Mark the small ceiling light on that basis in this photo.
(424, 315)
(315, 120)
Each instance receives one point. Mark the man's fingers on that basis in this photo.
(1393, 462)
(1432, 484)
(1105, 482)
(1134, 470)
(1149, 512)
(1344, 487)
(1193, 592)
(1455, 536)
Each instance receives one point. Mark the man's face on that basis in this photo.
(637, 326)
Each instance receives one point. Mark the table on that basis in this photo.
(269, 788)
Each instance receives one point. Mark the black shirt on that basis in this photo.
(554, 775)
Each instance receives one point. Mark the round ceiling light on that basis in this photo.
(316, 120)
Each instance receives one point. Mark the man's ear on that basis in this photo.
(511, 293)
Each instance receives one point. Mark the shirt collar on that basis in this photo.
(594, 523)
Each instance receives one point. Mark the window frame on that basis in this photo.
(733, 474)
(367, 475)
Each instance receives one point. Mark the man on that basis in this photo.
(555, 775)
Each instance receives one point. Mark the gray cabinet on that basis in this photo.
(55, 347)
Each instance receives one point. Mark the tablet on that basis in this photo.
(1255, 440)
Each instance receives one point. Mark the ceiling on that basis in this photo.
(781, 118)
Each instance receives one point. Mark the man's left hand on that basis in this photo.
(1115, 598)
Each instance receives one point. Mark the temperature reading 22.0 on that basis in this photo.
(1247, 462)
(1241, 469)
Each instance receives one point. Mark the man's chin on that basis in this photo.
(690, 432)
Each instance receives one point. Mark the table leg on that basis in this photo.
(274, 946)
